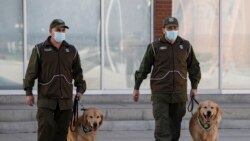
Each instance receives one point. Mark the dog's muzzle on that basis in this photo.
(208, 116)
(95, 126)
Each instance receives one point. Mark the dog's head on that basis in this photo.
(92, 118)
(209, 112)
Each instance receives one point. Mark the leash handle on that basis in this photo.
(195, 101)
(74, 118)
(191, 104)
(75, 110)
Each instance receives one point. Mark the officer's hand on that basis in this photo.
(193, 93)
(78, 96)
(30, 100)
(136, 94)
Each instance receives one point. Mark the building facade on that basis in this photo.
(112, 35)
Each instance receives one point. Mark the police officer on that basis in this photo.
(55, 63)
(170, 59)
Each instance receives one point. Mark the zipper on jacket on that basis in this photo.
(173, 67)
(58, 52)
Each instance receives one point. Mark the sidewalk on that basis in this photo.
(225, 135)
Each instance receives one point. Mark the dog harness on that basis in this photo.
(204, 126)
(85, 129)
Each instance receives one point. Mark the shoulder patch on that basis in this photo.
(67, 50)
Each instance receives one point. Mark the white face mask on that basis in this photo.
(59, 36)
(171, 35)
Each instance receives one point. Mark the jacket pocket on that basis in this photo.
(67, 87)
(180, 82)
(50, 89)
(162, 84)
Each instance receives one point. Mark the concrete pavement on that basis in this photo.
(225, 135)
(122, 118)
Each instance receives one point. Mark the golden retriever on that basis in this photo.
(88, 124)
(203, 125)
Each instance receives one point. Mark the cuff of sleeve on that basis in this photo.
(136, 88)
(137, 85)
(80, 90)
(194, 85)
(29, 93)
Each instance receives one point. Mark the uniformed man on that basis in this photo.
(170, 59)
(55, 63)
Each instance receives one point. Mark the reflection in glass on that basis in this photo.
(235, 42)
(127, 34)
(83, 19)
(11, 44)
(199, 23)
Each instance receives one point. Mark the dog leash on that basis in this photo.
(74, 118)
(191, 104)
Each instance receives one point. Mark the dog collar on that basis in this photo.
(204, 126)
(85, 129)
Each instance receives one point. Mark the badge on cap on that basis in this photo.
(60, 21)
(171, 19)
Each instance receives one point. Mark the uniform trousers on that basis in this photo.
(53, 124)
(168, 118)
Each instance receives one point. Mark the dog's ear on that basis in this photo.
(81, 119)
(102, 117)
(84, 118)
(218, 115)
(199, 109)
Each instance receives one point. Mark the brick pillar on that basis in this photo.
(162, 9)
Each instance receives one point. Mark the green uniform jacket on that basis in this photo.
(169, 64)
(55, 70)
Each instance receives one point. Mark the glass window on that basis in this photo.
(83, 19)
(199, 23)
(235, 43)
(127, 34)
(11, 44)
